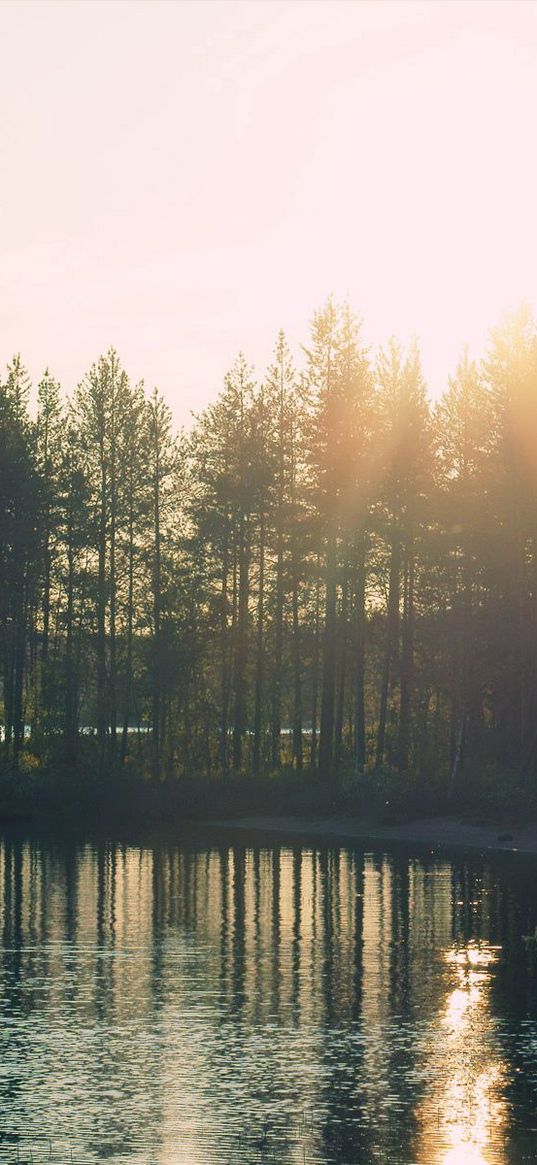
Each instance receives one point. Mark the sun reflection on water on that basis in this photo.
(468, 1071)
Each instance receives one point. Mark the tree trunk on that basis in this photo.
(315, 668)
(130, 620)
(101, 619)
(278, 652)
(260, 648)
(112, 683)
(342, 669)
(71, 701)
(297, 673)
(392, 623)
(407, 662)
(326, 742)
(359, 658)
(225, 672)
(241, 647)
(157, 668)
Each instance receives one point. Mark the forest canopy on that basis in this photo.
(328, 572)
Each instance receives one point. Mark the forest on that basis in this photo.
(328, 572)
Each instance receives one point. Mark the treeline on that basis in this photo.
(326, 572)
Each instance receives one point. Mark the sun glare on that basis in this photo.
(465, 1115)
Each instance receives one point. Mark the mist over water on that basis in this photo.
(231, 1003)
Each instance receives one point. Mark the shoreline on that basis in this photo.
(436, 832)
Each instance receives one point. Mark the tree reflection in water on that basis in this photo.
(193, 1003)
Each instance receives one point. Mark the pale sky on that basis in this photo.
(182, 179)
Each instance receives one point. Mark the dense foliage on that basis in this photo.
(326, 572)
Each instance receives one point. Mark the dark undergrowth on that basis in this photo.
(58, 792)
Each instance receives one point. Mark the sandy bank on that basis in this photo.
(436, 832)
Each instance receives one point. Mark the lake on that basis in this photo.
(212, 1001)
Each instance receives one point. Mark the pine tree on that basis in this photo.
(20, 532)
(462, 436)
(49, 438)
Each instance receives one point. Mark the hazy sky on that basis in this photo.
(182, 179)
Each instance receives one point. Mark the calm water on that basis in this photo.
(198, 1003)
